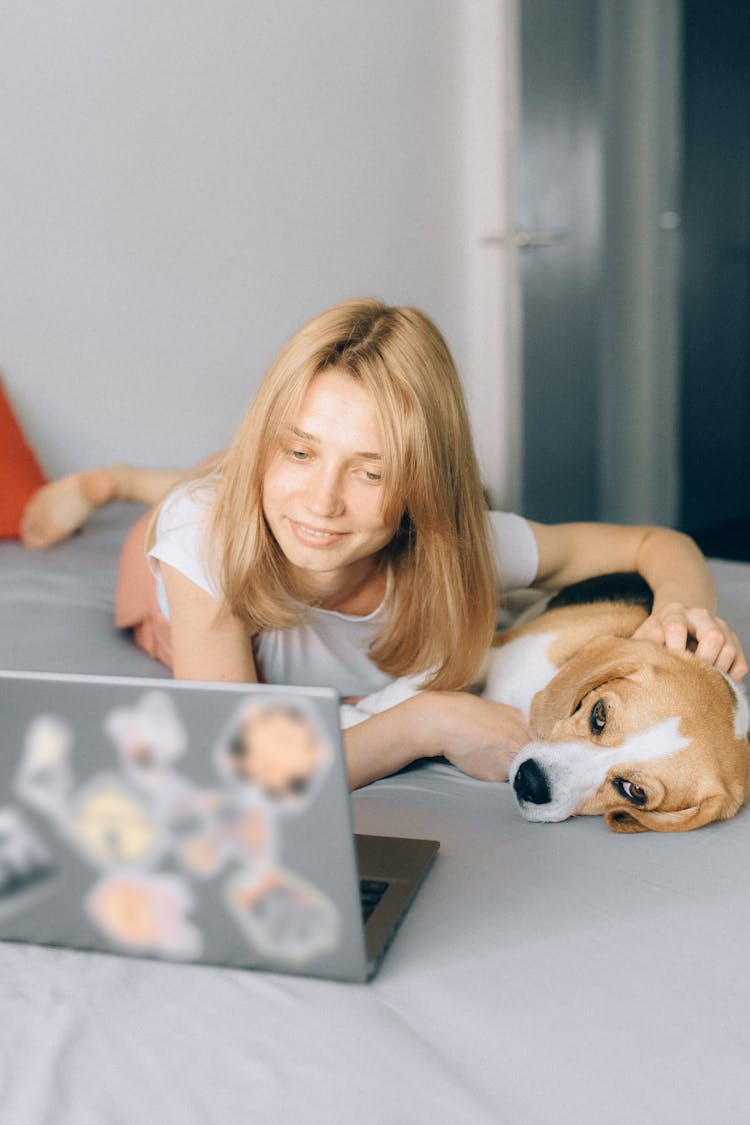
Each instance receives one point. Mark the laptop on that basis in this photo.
(191, 822)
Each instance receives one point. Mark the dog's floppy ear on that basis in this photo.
(632, 819)
(601, 660)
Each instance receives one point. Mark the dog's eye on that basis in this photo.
(633, 793)
(598, 717)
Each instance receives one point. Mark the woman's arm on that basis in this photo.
(208, 642)
(478, 736)
(684, 592)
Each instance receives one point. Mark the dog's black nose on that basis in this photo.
(530, 783)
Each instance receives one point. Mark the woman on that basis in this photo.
(343, 539)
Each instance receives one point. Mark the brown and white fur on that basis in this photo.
(621, 727)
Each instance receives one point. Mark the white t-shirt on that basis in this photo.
(328, 649)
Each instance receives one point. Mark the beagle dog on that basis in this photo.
(622, 727)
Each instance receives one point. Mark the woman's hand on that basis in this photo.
(479, 737)
(678, 628)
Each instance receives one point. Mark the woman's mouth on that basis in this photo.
(315, 536)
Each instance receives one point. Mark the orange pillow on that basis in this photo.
(20, 475)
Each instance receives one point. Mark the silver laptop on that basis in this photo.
(191, 822)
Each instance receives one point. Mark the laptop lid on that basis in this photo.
(186, 821)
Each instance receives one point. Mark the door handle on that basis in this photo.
(526, 239)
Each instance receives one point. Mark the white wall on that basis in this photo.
(184, 183)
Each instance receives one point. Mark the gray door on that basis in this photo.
(598, 212)
(559, 213)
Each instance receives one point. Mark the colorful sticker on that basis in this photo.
(149, 737)
(250, 837)
(277, 751)
(44, 777)
(283, 915)
(203, 856)
(245, 835)
(26, 866)
(146, 914)
(112, 827)
(185, 808)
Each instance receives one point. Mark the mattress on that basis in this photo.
(546, 972)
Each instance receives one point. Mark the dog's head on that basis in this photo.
(644, 737)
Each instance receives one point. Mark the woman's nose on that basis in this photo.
(325, 495)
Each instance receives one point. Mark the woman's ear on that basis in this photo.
(598, 662)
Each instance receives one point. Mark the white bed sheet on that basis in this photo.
(545, 974)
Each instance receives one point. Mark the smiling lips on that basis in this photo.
(314, 536)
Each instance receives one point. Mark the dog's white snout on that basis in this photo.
(551, 779)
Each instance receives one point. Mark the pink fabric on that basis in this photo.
(136, 604)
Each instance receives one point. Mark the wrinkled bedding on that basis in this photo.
(545, 974)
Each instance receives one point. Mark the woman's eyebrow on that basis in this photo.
(365, 454)
(302, 434)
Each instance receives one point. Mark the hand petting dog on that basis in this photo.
(680, 629)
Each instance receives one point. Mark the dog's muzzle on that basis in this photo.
(530, 783)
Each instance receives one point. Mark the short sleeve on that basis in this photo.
(515, 548)
(180, 541)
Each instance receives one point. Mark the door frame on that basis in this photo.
(493, 377)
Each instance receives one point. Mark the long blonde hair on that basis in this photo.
(441, 603)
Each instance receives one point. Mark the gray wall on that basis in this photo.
(183, 183)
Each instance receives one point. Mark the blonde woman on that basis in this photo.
(343, 539)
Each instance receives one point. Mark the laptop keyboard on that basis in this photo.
(370, 893)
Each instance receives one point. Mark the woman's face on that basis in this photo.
(323, 492)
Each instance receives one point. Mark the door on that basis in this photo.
(559, 217)
(598, 216)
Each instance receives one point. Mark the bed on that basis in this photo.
(546, 973)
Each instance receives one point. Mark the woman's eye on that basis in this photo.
(298, 454)
(372, 476)
(633, 793)
(598, 717)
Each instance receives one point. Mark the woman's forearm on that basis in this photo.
(676, 570)
(685, 602)
(384, 743)
(478, 736)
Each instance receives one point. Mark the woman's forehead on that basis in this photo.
(336, 405)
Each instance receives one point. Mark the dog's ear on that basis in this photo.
(598, 662)
(632, 819)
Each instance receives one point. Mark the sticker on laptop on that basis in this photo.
(145, 914)
(26, 867)
(44, 778)
(245, 835)
(276, 751)
(283, 915)
(112, 827)
(149, 737)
